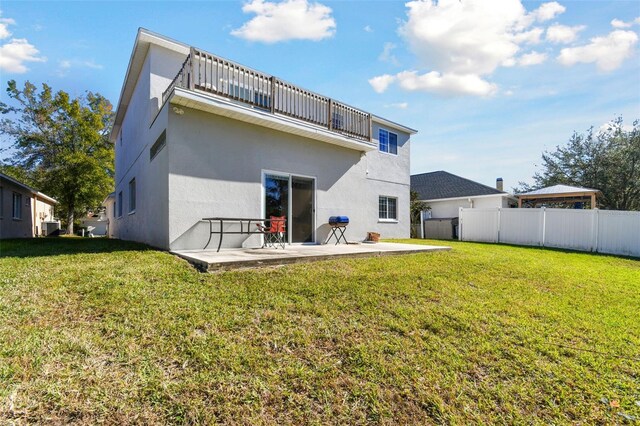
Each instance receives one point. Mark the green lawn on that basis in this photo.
(95, 330)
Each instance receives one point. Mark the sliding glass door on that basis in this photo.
(293, 197)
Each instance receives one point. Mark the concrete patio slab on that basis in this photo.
(210, 260)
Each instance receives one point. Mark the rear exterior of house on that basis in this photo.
(24, 211)
(199, 136)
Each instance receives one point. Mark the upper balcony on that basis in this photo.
(205, 72)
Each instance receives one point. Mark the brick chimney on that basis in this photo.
(499, 185)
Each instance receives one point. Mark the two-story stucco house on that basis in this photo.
(198, 136)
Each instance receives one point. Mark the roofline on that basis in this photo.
(390, 123)
(577, 190)
(143, 36)
(464, 178)
(111, 195)
(465, 197)
(28, 188)
(149, 37)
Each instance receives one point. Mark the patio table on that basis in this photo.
(241, 220)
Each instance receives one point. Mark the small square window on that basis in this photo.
(387, 208)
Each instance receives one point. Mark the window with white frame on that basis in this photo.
(387, 142)
(387, 208)
(132, 195)
(119, 204)
(17, 206)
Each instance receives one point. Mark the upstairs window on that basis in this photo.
(387, 208)
(132, 195)
(388, 142)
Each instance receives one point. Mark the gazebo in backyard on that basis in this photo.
(559, 194)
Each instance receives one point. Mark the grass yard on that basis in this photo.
(95, 330)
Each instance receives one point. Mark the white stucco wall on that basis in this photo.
(141, 127)
(450, 208)
(216, 169)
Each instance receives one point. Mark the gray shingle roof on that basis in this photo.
(441, 184)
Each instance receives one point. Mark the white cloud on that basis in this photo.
(15, 53)
(617, 23)
(387, 55)
(529, 37)
(368, 29)
(381, 83)
(459, 43)
(399, 105)
(548, 11)
(4, 26)
(563, 34)
(607, 52)
(64, 66)
(287, 20)
(532, 58)
(446, 84)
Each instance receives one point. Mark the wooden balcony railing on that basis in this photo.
(205, 72)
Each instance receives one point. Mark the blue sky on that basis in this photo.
(488, 84)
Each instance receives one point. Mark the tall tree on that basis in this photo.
(607, 159)
(62, 144)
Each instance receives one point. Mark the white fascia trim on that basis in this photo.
(224, 107)
(472, 197)
(389, 123)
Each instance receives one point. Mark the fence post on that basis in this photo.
(544, 225)
(498, 226)
(594, 226)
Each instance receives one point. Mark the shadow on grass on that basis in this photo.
(34, 247)
(453, 243)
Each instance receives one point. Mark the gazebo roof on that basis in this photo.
(560, 190)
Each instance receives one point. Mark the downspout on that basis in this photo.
(34, 216)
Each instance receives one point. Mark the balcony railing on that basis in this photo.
(205, 72)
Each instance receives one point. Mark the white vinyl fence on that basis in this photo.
(602, 231)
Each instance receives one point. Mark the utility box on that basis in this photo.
(50, 229)
(441, 228)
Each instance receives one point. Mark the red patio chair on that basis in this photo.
(274, 233)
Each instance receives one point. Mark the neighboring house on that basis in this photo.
(199, 136)
(445, 193)
(24, 212)
(109, 204)
(97, 221)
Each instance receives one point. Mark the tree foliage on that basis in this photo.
(61, 144)
(607, 159)
(415, 208)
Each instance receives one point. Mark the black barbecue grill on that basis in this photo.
(338, 225)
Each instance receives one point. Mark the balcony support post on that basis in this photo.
(330, 114)
(191, 78)
(273, 95)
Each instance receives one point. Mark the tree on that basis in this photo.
(415, 208)
(608, 160)
(61, 144)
